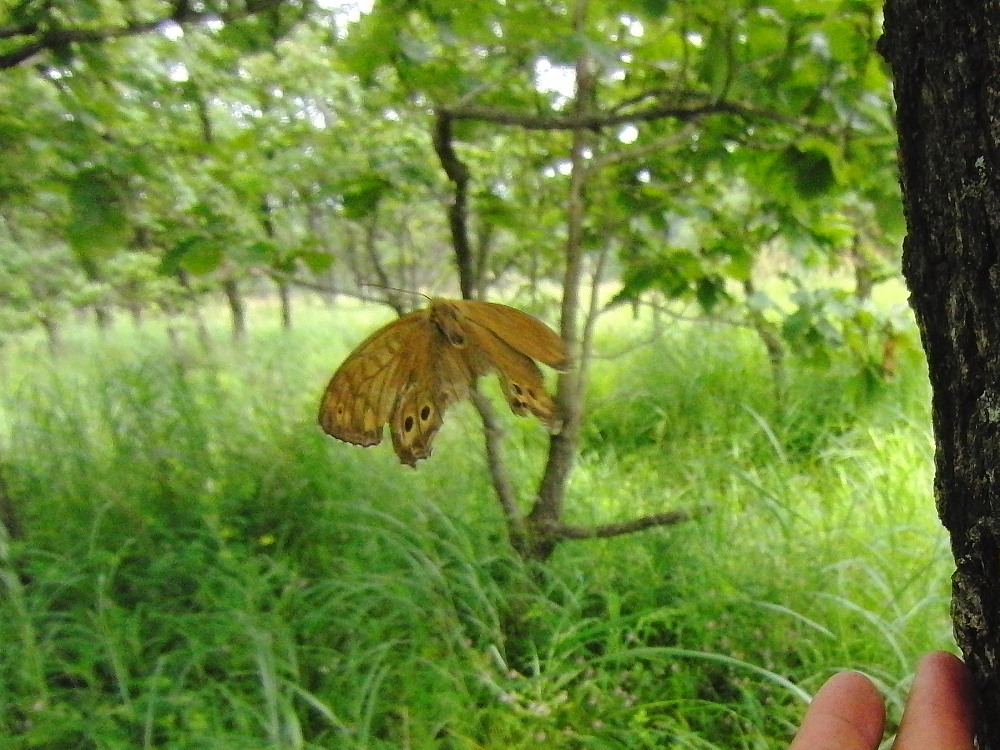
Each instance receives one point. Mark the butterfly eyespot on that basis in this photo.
(425, 413)
(408, 424)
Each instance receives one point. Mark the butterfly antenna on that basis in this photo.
(393, 289)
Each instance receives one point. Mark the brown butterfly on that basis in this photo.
(410, 371)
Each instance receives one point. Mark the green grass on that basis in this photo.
(201, 567)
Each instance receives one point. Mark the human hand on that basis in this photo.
(848, 713)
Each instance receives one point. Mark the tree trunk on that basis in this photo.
(945, 59)
(135, 312)
(237, 309)
(194, 306)
(545, 516)
(285, 300)
(53, 333)
(536, 535)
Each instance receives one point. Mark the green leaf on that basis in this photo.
(710, 291)
(672, 274)
(194, 254)
(715, 60)
(315, 261)
(262, 251)
(98, 225)
(374, 43)
(362, 195)
(491, 207)
(654, 8)
(809, 172)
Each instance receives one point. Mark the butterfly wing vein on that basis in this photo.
(362, 393)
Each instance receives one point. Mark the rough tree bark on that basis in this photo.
(945, 59)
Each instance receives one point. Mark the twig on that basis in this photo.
(607, 530)
(594, 120)
(635, 153)
(590, 322)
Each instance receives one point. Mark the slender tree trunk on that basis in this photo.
(93, 273)
(102, 316)
(53, 333)
(774, 345)
(945, 59)
(285, 301)
(199, 321)
(284, 288)
(237, 309)
(485, 235)
(536, 535)
(547, 511)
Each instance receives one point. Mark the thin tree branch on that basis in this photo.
(634, 153)
(502, 484)
(458, 172)
(607, 530)
(40, 39)
(596, 120)
(458, 209)
(371, 249)
(590, 321)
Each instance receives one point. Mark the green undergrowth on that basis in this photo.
(193, 564)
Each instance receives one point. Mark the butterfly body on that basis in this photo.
(409, 372)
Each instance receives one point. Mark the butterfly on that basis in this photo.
(410, 371)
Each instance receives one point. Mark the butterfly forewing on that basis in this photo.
(519, 330)
(361, 394)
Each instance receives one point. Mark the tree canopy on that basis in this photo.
(146, 144)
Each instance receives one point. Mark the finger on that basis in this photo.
(939, 712)
(846, 714)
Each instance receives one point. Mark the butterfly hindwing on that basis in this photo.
(521, 379)
(419, 412)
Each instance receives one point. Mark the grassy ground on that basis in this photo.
(199, 567)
